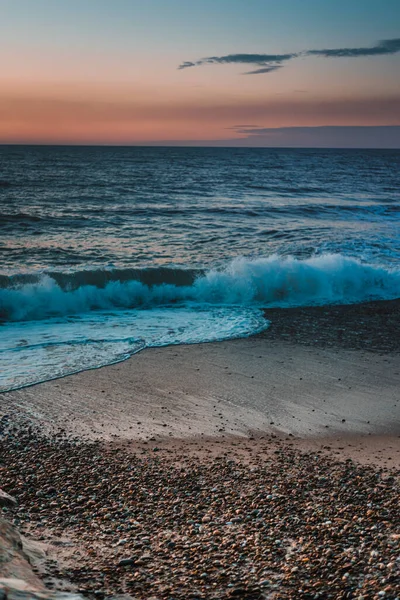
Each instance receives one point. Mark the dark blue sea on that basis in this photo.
(106, 251)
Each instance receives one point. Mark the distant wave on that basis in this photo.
(17, 217)
(94, 217)
(271, 281)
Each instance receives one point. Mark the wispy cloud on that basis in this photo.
(264, 70)
(265, 62)
(268, 63)
(383, 47)
(387, 136)
(237, 127)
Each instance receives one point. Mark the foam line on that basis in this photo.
(271, 281)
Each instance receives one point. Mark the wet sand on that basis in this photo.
(254, 468)
(307, 376)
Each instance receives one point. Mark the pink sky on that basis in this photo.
(83, 73)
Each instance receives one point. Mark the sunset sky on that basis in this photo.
(223, 72)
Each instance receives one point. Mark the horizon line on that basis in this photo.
(186, 145)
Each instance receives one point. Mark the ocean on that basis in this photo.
(105, 251)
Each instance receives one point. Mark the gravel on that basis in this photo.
(157, 526)
(370, 326)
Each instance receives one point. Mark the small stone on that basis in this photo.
(126, 562)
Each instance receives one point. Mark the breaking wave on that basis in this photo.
(271, 281)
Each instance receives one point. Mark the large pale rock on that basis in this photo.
(14, 562)
(18, 589)
(7, 500)
(17, 579)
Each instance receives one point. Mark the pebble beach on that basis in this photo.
(165, 524)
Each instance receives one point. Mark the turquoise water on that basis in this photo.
(105, 251)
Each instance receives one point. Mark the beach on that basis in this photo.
(264, 467)
(315, 372)
(200, 300)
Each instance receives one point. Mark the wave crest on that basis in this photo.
(272, 281)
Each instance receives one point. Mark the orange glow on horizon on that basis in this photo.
(131, 116)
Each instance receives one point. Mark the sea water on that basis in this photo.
(106, 251)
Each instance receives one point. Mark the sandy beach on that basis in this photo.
(326, 372)
(200, 300)
(252, 468)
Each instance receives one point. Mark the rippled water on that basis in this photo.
(163, 237)
(69, 208)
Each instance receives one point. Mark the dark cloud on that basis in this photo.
(264, 70)
(305, 137)
(267, 63)
(386, 136)
(235, 127)
(252, 59)
(187, 64)
(384, 47)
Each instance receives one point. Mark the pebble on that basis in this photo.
(125, 562)
(292, 526)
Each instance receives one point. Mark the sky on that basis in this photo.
(205, 72)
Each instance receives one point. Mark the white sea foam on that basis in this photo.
(289, 281)
(36, 351)
(271, 281)
(50, 330)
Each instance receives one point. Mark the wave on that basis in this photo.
(70, 281)
(18, 217)
(272, 281)
(95, 218)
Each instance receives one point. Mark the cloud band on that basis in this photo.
(268, 63)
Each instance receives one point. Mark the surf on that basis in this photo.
(273, 281)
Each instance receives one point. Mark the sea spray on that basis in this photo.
(261, 282)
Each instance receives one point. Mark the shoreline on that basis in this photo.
(252, 468)
(319, 372)
(251, 384)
